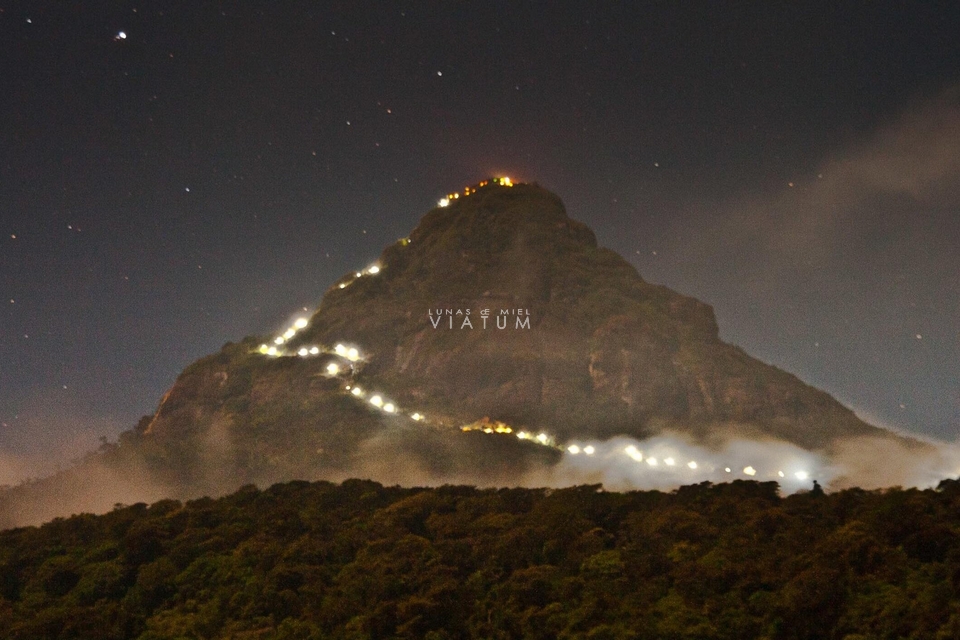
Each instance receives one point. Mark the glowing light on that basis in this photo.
(488, 430)
(356, 391)
(692, 464)
(374, 270)
(801, 475)
(669, 462)
(333, 369)
(390, 407)
(417, 416)
(542, 438)
(343, 286)
(589, 450)
(314, 350)
(353, 355)
(358, 274)
(121, 35)
(264, 349)
(573, 449)
(780, 473)
(303, 352)
(443, 202)
(272, 351)
(652, 462)
(376, 401)
(300, 323)
(523, 435)
(634, 453)
(289, 333)
(727, 469)
(750, 471)
(279, 340)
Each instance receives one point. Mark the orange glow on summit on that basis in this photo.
(500, 182)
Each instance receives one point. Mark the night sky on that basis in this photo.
(176, 175)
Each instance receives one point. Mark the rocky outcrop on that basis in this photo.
(498, 309)
(587, 348)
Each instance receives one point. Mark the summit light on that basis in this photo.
(750, 471)
(801, 475)
(444, 202)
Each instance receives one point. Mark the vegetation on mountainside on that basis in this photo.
(359, 560)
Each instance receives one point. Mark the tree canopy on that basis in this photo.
(359, 560)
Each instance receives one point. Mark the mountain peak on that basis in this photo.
(501, 317)
(500, 306)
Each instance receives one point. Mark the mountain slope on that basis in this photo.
(588, 351)
(606, 353)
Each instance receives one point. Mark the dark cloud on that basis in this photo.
(847, 277)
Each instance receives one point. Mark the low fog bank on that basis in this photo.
(671, 460)
(413, 457)
(90, 487)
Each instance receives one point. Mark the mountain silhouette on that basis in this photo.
(498, 326)
(499, 305)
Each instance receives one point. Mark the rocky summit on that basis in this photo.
(498, 326)
(499, 306)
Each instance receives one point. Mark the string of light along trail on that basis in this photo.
(351, 359)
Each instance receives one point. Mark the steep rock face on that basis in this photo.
(598, 352)
(605, 353)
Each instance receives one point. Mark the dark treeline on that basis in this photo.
(358, 560)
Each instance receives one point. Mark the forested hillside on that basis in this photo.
(359, 560)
